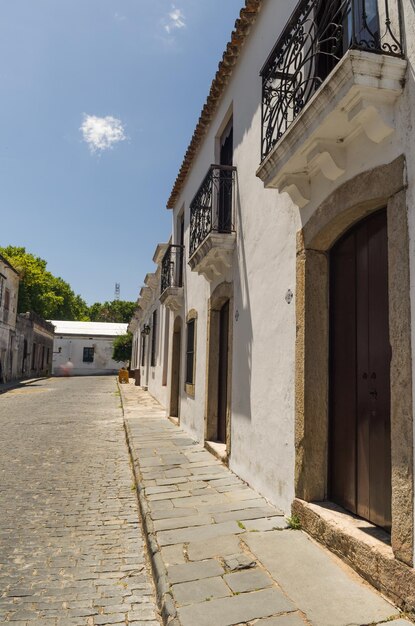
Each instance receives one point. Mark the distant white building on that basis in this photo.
(88, 345)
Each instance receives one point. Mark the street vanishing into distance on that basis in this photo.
(71, 550)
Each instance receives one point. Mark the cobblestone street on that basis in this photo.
(71, 550)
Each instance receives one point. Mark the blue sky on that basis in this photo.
(99, 99)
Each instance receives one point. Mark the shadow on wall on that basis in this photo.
(242, 366)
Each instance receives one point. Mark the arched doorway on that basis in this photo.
(359, 380)
(344, 209)
(175, 369)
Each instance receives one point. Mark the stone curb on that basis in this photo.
(164, 598)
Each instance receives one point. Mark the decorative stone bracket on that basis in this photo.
(172, 298)
(146, 294)
(357, 97)
(152, 281)
(214, 255)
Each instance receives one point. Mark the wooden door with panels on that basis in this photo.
(360, 355)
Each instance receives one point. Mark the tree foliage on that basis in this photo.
(42, 292)
(115, 311)
(52, 298)
(122, 347)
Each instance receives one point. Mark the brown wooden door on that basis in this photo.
(360, 457)
(223, 371)
(175, 374)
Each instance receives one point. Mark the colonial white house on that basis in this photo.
(87, 345)
(277, 328)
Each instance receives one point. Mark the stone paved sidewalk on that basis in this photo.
(221, 554)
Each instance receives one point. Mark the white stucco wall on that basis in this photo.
(262, 439)
(262, 421)
(71, 347)
(264, 269)
(152, 375)
(72, 337)
(155, 377)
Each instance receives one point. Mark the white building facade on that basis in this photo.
(87, 345)
(286, 292)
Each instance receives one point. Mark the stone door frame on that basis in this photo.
(176, 368)
(384, 186)
(220, 295)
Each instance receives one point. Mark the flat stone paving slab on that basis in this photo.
(197, 533)
(200, 590)
(194, 571)
(173, 555)
(326, 592)
(245, 514)
(248, 580)
(173, 523)
(269, 523)
(158, 513)
(234, 610)
(220, 546)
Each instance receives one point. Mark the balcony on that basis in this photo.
(212, 228)
(171, 291)
(335, 73)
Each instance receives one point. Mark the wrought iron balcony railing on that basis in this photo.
(211, 210)
(317, 36)
(172, 268)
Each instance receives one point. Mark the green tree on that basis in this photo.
(122, 347)
(115, 311)
(42, 292)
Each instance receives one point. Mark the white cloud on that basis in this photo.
(119, 17)
(174, 20)
(101, 133)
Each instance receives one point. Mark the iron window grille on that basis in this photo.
(172, 268)
(88, 356)
(317, 36)
(211, 210)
